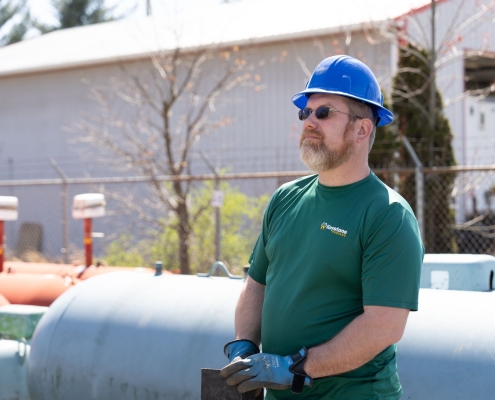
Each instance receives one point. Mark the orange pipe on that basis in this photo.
(3, 301)
(64, 270)
(39, 268)
(40, 284)
(33, 289)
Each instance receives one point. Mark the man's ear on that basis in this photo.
(365, 129)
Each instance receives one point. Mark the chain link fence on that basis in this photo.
(457, 205)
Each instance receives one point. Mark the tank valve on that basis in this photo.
(158, 268)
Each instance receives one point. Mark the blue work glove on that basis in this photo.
(240, 348)
(268, 371)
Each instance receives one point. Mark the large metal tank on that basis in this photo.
(448, 349)
(17, 322)
(132, 336)
(13, 383)
(129, 336)
(473, 272)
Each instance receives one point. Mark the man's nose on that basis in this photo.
(311, 122)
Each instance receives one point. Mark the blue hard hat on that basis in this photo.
(349, 77)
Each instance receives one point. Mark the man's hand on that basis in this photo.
(267, 370)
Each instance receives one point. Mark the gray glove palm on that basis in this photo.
(266, 370)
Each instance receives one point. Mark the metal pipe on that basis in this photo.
(65, 208)
(226, 177)
(420, 184)
(223, 267)
(1, 245)
(420, 195)
(167, 178)
(432, 100)
(88, 241)
(217, 207)
(217, 225)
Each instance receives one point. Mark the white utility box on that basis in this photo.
(9, 208)
(88, 205)
(19, 320)
(472, 272)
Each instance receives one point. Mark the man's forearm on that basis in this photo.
(359, 342)
(248, 311)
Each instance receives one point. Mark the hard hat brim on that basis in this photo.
(300, 100)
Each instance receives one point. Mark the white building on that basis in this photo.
(44, 83)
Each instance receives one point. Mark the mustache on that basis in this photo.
(308, 132)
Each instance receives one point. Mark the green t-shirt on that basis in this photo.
(324, 253)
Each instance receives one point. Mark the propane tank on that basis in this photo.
(13, 355)
(135, 336)
(132, 336)
(472, 272)
(17, 322)
(448, 349)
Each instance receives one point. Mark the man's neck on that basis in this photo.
(343, 175)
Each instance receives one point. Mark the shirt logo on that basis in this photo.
(333, 229)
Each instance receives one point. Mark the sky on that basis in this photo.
(43, 11)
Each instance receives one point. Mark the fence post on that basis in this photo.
(216, 204)
(218, 225)
(65, 209)
(420, 186)
(1, 246)
(420, 196)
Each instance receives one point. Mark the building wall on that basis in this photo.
(38, 111)
(460, 25)
(480, 118)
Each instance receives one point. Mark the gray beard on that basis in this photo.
(319, 158)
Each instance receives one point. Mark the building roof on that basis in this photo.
(243, 22)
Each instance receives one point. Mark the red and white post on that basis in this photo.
(88, 206)
(9, 206)
(88, 240)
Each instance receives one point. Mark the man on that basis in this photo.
(336, 268)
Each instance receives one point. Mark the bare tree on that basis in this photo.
(417, 38)
(151, 117)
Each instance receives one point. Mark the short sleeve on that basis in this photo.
(392, 259)
(258, 261)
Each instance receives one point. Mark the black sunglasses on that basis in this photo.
(321, 112)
